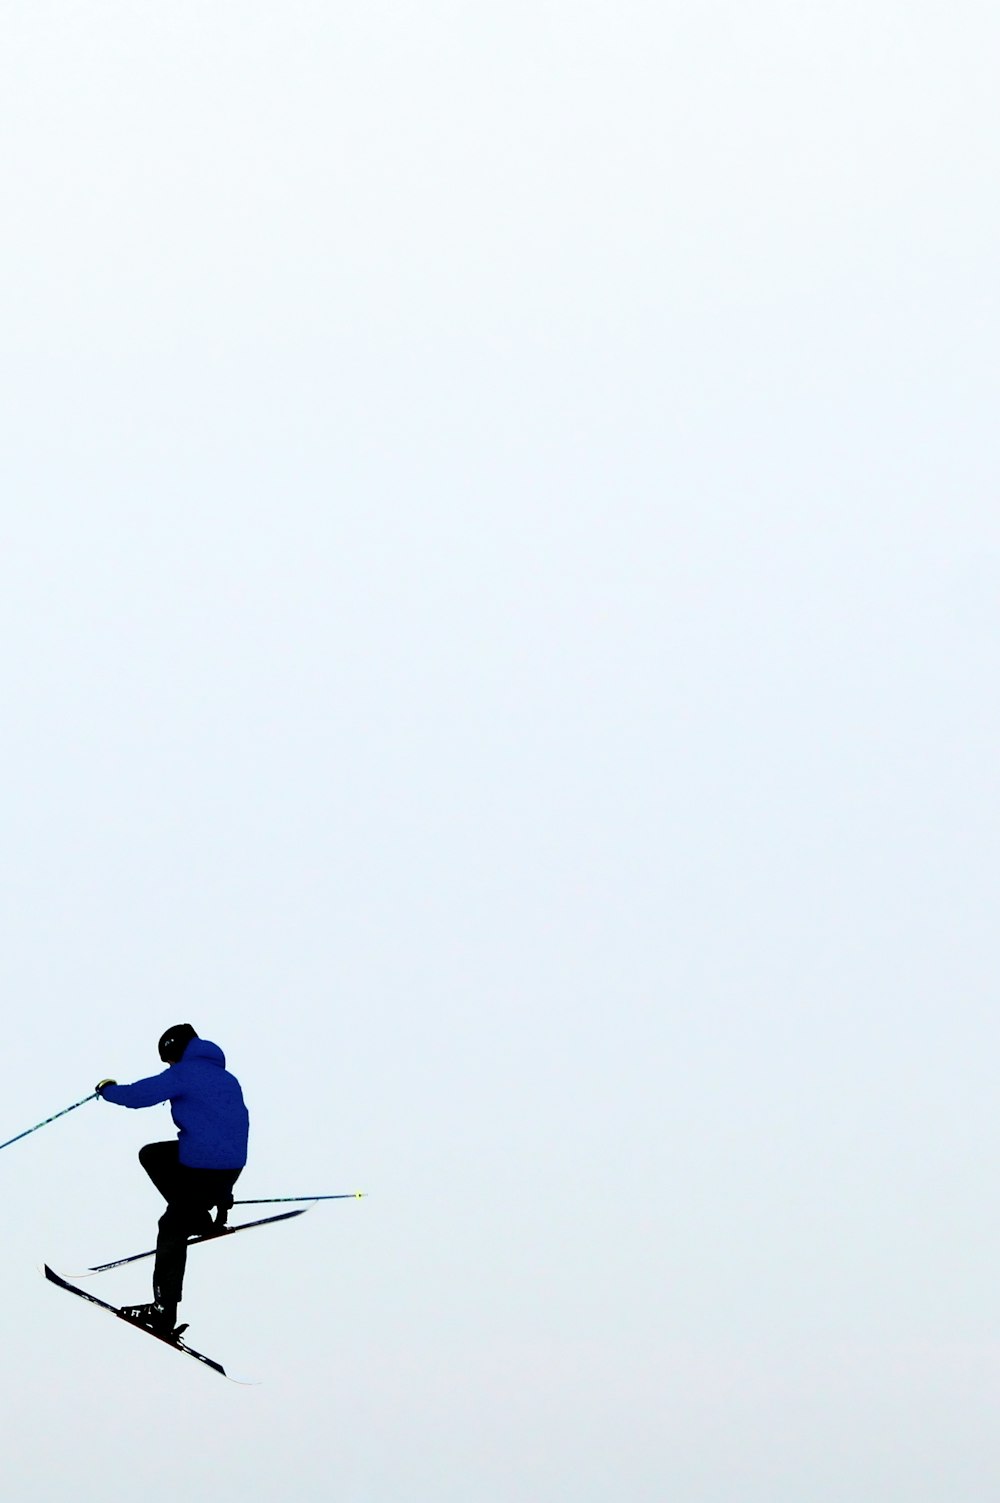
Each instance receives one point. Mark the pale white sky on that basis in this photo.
(499, 576)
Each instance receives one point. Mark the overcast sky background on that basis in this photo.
(499, 583)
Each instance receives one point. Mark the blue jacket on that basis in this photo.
(206, 1103)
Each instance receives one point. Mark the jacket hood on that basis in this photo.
(204, 1049)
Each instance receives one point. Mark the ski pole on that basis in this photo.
(275, 1200)
(27, 1130)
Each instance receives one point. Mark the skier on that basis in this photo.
(197, 1171)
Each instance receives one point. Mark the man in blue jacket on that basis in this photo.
(195, 1172)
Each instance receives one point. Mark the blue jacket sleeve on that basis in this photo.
(148, 1092)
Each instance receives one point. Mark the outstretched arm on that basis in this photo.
(148, 1092)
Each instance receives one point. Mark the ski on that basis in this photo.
(177, 1344)
(227, 1231)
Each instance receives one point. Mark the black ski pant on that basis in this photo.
(190, 1195)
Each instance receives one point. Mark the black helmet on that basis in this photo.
(175, 1041)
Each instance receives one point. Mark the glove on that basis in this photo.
(99, 1087)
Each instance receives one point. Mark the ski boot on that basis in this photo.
(222, 1211)
(161, 1320)
(201, 1225)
